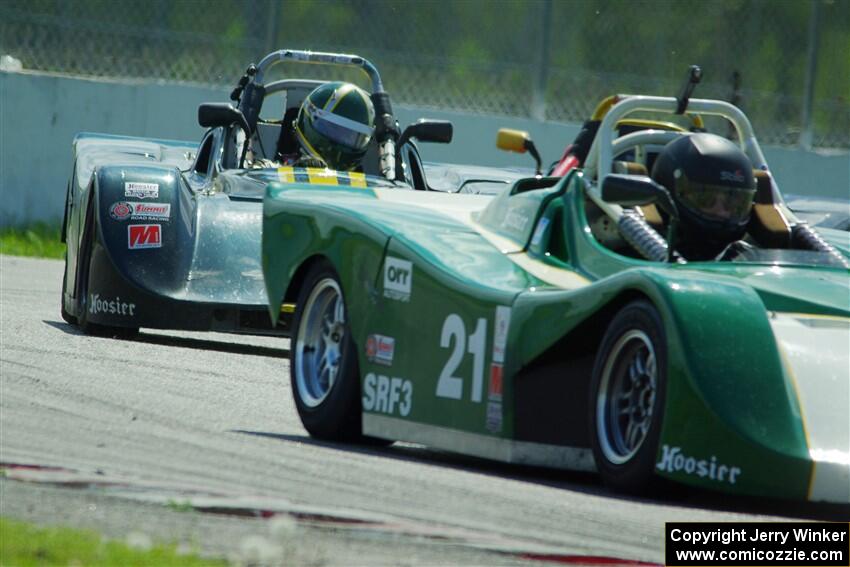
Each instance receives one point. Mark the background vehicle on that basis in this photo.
(548, 326)
(166, 234)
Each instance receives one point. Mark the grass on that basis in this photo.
(180, 505)
(39, 239)
(23, 544)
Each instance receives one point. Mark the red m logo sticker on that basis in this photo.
(144, 236)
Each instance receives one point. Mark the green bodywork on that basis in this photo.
(730, 399)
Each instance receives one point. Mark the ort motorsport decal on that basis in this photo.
(110, 306)
(380, 349)
(674, 461)
(123, 210)
(141, 190)
(141, 236)
(398, 278)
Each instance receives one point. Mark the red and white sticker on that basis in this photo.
(380, 349)
(141, 236)
(123, 210)
(495, 390)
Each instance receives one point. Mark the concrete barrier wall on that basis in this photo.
(40, 114)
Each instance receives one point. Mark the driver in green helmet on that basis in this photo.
(333, 128)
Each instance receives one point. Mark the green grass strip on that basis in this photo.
(23, 544)
(39, 239)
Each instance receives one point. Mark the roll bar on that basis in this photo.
(251, 91)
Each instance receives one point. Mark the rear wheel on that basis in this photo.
(322, 363)
(627, 398)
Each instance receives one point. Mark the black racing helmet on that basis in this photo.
(711, 181)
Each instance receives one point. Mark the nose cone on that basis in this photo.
(815, 354)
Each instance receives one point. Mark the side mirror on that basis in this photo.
(215, 114)
(520, 142)
(637, 190)
(426, 130)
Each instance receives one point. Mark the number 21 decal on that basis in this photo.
(453, 336)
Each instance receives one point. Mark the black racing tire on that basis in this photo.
(66, 316)
(627, 396)
(325, 377)
(84, 259)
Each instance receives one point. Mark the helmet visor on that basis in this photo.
(716, 202)
(339, 129)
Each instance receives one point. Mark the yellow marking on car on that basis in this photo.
(287, 308)
(286, 174)
(357, 179)
(320, 176)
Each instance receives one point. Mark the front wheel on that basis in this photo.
(627, 398)
(66, 316)
(84, 258)
(322, 362)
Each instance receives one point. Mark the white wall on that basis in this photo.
(41, 113)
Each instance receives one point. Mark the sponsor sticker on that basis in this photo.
(495, 412)
(110, 306)
(380, 349)
(674, 460)
(495, 391)
(500, 335)
(123, 210)
(494, 416)
(141, 236)
(539, 231)
(387, 395)
(141, 190)
(398, 278)
(515, 220)
(736, 176)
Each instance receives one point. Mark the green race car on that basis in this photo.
(554, 325)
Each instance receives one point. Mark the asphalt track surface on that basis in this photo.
(209, 419)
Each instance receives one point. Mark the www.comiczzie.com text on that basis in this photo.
(742, 544)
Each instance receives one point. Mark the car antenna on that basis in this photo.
(694, 77)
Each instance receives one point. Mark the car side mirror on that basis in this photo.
(637, 190)
(215, 114)
(520, 142)
(427, 130)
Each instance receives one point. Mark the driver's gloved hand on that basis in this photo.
(734, 250)
(309, 161)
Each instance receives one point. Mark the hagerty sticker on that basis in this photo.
(141, 190)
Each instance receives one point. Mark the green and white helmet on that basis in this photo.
(335, 124)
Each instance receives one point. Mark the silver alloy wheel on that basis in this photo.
(321, 334)
(626, 397)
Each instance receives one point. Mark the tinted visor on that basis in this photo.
(338, 129)
(716, 202)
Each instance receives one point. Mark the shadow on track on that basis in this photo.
(184, 342)
(671, 494)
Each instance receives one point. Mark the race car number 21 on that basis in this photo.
(453, 336)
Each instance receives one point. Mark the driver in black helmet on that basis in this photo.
(711, 180)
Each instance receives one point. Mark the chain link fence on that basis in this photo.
(785, 62)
